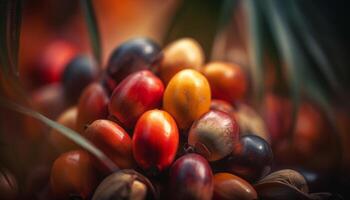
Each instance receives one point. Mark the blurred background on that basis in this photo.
(295, 54)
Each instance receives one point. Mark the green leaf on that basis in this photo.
(92, 25)
(313, 46)
(226, 11)
(287, 45)
(69, 133)
(255, 48)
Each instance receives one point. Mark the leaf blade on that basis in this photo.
(289, 49)
(255, 48)
(92, 25)
(67, 132)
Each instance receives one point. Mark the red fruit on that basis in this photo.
(223, 106)
(191, 178)
(112, 140)
(92, 105)
(72, 174)
(155, 140)
(52, 62)
(227, 81)
(137, 93)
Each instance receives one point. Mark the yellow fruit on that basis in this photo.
(187, 97)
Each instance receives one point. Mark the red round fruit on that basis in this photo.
(227, 81)
(137, 93)
(92, 105)
(155, 140)
(112, 140)
(223, 106)
(72, 174)
(191, 178)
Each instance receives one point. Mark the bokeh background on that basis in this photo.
(295, 55)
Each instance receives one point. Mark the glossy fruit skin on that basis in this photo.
(184, 53)
(155, 140)
(223, 106)
(230, 187)
(112, 140)
(79, 73)
(187, 97)
(191, 178)
(251, 159)
(137, 93)
(68, 119)
(92, 105)
(133, 55)
(227, 81)
(214, 135)
(72, 174)
(51, 64)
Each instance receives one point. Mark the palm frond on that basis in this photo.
(69, 133)
(289, 49)
(92, 24)
(256, 48)
(313, 46)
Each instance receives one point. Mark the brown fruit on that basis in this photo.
(230, 187)
(112, 140)
(72, 174)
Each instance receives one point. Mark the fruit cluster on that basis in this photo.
(172, 124)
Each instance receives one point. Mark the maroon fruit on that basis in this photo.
(214, 135)
(132, 56)
(191, 178)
